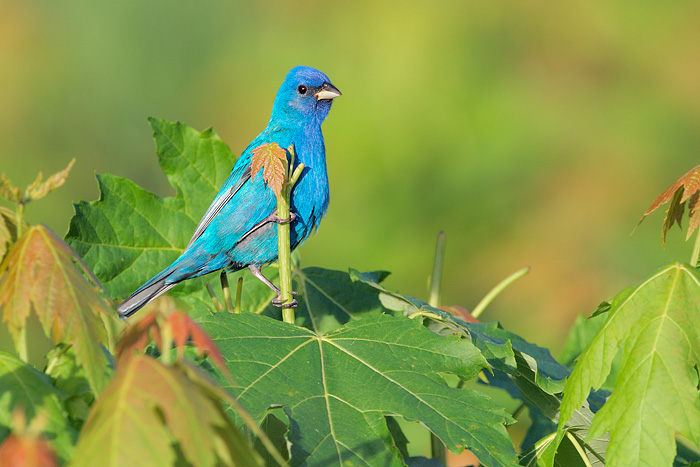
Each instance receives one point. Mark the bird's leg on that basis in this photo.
(255, 270)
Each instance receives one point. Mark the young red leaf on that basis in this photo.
(184, 328)
(42, 274)
(136, 338)
(25, 447)
(685, 190)
(273, 160)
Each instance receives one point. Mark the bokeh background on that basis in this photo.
(533, 133)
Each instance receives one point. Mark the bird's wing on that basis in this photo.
(230, 188)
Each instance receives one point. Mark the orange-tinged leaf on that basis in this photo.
(39, 189)
(153, 414)
(42, 274)
(184, 328)
(272, 159)
(181, 327)
(26, 451)
(8, 230)
(684, 190)
(25, 447)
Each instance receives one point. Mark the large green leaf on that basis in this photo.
(536, 373)
(153, 414)
(23, 386)
(336, 388)
(657, 324)
(130, 234)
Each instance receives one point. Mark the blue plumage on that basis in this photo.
(239, 228)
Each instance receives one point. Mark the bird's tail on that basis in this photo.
(159, 284)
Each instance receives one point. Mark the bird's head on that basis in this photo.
(305, 96)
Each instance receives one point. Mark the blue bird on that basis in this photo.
(240, 227)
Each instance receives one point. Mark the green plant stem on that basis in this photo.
(696, 251)
(478, 309)
(226, 291)
(20, 213)
(214, 299)
(437, 447)
(239, 291)
(54, 360)
(436, 276)
(283, 245)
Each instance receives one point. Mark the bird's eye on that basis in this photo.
(301, 89)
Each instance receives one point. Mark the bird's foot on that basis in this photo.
(277, 220)
(279, 302)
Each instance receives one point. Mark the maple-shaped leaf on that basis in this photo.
(8, 230)
(154, 414)
(272, 159)
(43, 275)
(656, 325)
(130, 234)
(26, 447)
(337, 388)
(37, 189)
(178, 325)
(685, 190)
(24, 387)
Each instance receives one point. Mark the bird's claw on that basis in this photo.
(279, 301)
(291, 218)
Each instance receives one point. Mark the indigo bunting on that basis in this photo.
(240, 227)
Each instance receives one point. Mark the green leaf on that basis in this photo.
(153, 414)
(276, 430)
(68, 376)
(25, 387)
(533, 369)
(655, 397)
(130, 234)
(337, 388)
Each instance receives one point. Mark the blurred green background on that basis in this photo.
(532, 133)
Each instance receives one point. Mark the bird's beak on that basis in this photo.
(328, 91)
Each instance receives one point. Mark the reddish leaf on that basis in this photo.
(26, 451)
(8, 230)
(184, 328)
(25, 447)
(684, 190)
(136, 338)
(42, 274)
(154, 414)
(272, 159)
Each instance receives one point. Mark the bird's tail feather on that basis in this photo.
(144, 294)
